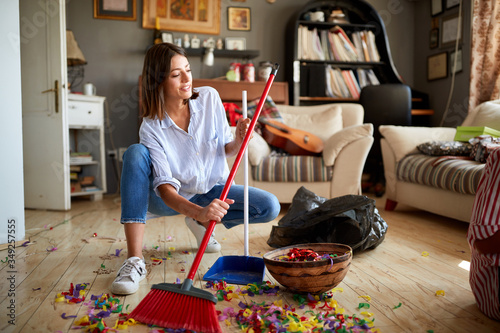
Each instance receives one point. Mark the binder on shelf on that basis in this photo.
(304, 80)
(372, 46)
(317, 80)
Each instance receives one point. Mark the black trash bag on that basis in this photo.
(351, 219)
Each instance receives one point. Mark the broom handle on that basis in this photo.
(232, 174)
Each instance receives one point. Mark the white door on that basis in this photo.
(44, 82)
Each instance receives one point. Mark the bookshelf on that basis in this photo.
(86, 136)
(319, 54)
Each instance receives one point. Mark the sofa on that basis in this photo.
(445, 187)
(336, 172)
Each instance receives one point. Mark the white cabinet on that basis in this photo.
(86, 138)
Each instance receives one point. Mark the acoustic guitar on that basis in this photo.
(291, 140)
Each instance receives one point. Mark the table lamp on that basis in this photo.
(76, 60)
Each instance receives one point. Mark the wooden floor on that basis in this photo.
(64, 251)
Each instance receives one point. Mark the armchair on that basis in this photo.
(336, 172)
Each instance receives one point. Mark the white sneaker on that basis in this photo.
(130, 274)
(199, 231)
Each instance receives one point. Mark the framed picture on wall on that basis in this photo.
(452, 3)
(459, 61)
(436, 7)
(450, 28)
(238, 18)
(235, 43)
(175, 15)
(437, 66)
(434, 38)
(167, 37)
(115, 9)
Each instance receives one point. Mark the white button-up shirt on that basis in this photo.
(195, 161)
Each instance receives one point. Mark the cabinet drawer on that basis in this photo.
(84, 113)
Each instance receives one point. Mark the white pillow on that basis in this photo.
(405, 139)
(485, 114)
(321, 120)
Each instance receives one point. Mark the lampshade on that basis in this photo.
(74, 54)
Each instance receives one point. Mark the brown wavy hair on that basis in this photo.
(156, 69)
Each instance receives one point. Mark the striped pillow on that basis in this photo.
(292, 169)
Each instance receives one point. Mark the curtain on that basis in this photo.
(485, 53)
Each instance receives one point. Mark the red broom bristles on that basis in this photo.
(173, 310)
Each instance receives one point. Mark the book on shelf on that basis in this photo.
(90, 188)
(347, 83)
(82, 157)
(336, 45)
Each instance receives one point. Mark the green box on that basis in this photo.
(465, 133)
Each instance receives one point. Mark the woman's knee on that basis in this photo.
(274, 207)
(135, 154)
(269, 206)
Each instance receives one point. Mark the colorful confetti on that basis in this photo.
(440, 293)
(76, 294)
(278, 317)
(397, 306)
(425, 254)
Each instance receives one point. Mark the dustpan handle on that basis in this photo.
(245, 180)
(232, 174)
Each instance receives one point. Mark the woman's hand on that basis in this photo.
(215, 211)
(234, 146)
(241, 130)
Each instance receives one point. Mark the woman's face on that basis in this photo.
(178, 84)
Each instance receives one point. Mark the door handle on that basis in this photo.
(56, 90)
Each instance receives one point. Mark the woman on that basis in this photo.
(179, 166)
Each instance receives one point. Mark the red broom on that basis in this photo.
(182, 305)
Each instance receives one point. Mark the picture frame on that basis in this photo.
(115, 9)
(167, 37)
(235, 43)
(459, 61)
(436, 7)
(449, 26)
(437, 66)
(434, 38)
(238, 18)
(190, 17)
(452, 3)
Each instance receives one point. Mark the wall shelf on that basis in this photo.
(238, 54)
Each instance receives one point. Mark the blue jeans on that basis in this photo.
(138, 196)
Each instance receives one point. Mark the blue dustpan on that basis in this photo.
(239, 269)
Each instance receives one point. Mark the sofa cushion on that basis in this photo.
(321, 120)
(292, 169)
(461, 176)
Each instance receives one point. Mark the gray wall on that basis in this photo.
(439, 90)
(115, 49)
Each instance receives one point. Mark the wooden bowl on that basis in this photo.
(313, 277)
